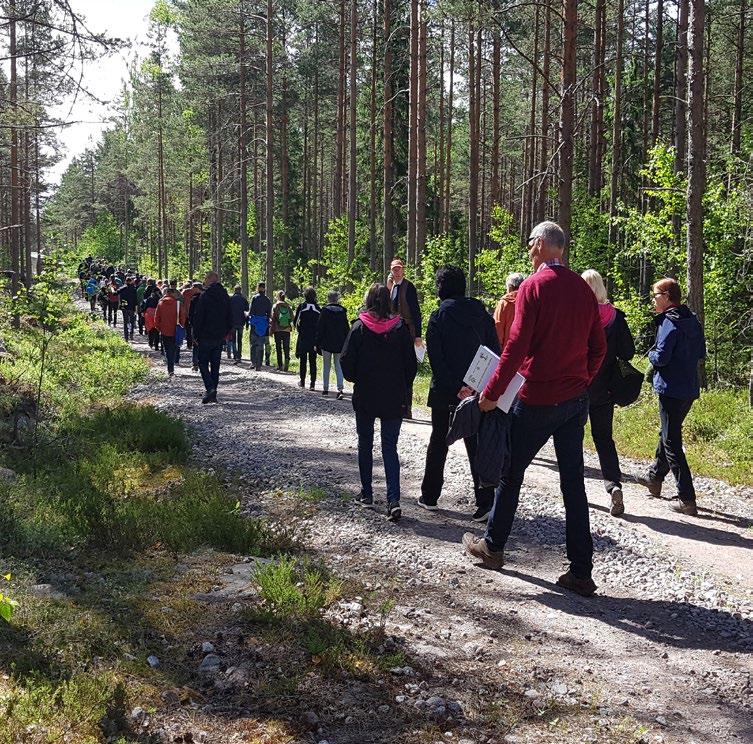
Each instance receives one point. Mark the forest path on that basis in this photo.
(665, 646)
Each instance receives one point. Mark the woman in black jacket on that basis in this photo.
(620, 345)
(330, 336)
(305, 321)
(379, 358)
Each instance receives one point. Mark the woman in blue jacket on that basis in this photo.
(680, 346)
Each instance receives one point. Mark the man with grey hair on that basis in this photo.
(331, 332)
(557, 343)
(504, 313)
(211, 323)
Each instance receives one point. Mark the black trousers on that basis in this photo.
(436, 456)
(602, 418)
(311, 356)
(282, 346)
(670, 455)
(112, 314)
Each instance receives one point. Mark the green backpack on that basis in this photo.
(283, 316)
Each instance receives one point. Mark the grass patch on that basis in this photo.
(718, 434)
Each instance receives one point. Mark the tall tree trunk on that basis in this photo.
(681, 108)
(737, 106)
(412, 132)
(531, 164)
(616, 127)
(597, 107)
(243, 156)
(337, 196)
(421, 127)
(696, 157)
(270, 205)
(285, 168)
(373, 256)
(543, 188)
(448, 159)
(388, 153)
(440, 151)
(473, 160)
(352, 166)
(567, 118)
(494, 191)
(657, 71)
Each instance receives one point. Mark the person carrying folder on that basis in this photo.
(557, 343)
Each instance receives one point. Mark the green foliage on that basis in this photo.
(494, 264)
(294, 592)
(7, 604)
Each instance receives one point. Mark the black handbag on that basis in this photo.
(625, 383)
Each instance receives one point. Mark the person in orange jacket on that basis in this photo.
(166, 321)
(504, 313)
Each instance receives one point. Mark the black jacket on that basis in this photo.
(382, 367)
(128, 297)
(306, 320)
(238, 309)
(212, 319)
(332, 328)
(619, 345)
(261, 305)
(454, 332)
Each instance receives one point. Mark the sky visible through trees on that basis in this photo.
(309, 141)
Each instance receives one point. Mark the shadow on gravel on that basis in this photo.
(694, 627)
(690, 531)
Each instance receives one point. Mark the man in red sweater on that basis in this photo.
(557, 343)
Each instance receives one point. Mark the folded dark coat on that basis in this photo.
(493, 444)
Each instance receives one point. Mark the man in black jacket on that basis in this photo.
(128, 299)
(211, 323)
(331, 333)
(259, 317)
(238, 310)
(453, 335)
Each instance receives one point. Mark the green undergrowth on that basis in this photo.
(718, 434)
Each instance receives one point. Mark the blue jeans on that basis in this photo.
(327, 357)
(531, 428)
(210, 355)
(235, 343)
(260, 349)
(169, 349)
(390, 434)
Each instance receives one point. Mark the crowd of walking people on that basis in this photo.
(555, 328)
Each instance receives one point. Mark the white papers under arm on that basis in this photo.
(482, 368)
(420, 352)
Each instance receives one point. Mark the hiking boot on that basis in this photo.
(481, 514)
(325, 392)
(279, 368)
(301, 383)
(584, 587)
(424, 504)
(367, 502)
(195, 368)
(684, 507)
(209, 397)
(477, 547)
(312, 385)
(340, 395)
(618, 504)
(653, 486)
(394, 512)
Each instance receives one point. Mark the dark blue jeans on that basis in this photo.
(531, 428)
(168, 346)
(210, 355)
(390, 434)
(669, 452)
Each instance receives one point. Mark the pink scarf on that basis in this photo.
(379, 325)
(607, 313)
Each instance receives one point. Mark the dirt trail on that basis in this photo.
(664, 648)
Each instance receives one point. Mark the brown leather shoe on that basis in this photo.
(479, 548)
(652, 486)
(684, 507)
(584, 587)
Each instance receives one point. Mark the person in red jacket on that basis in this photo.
(557, 344)
(166, 321)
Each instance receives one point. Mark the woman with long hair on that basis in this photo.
(379, 359)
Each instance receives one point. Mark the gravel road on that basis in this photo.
(665, 645)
